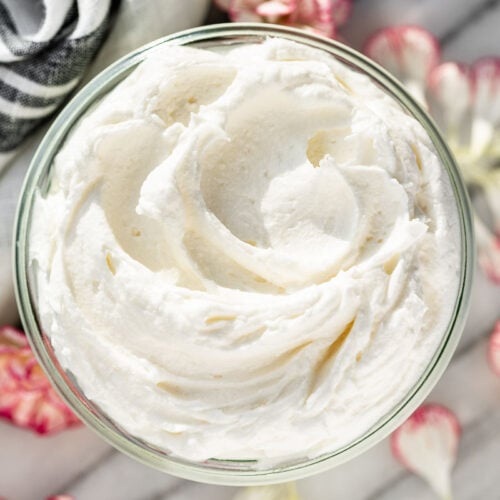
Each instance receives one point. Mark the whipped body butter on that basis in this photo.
(246, 254)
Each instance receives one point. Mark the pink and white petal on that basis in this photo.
(408, 52)
(494, 349)
(26, 397)
(20, 408)
(314, 16)
(61, 497)
(10, 337)
(8, 401)
(306, 12)
(488, 251)
(486, 104)
(274, 9)
(51, 418)
(341, 10)
(486, 78)
(427, 444)
(324, 21)
(17, 367)
(35, 378)
(449, 94)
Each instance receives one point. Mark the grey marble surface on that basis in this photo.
(79, 463)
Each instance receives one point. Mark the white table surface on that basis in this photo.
(79, 463)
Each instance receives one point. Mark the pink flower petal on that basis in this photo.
(494, 349)
(26, 396)
(309, 11)
(11, 338)
(314, 15)
(427, 443)
(341, 10)
(408, 52)
(486, 80)
(61, 497)
(485, 75)
(274, 9)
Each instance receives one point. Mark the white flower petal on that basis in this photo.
(427, 445)
(408, 52)
(486, 78)
(274, 9)
(449, 95)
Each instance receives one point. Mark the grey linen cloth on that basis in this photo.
(137, 22)
(38, 70)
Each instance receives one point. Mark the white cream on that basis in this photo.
(249, 255)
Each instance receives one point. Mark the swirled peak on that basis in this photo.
(247, 254)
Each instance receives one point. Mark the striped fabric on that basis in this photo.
(38, 70)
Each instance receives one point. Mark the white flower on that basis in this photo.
(465, 103)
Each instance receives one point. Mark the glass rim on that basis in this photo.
(105, 428)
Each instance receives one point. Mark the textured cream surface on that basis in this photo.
(246, 255)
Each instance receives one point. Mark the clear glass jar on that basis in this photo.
(220, 471)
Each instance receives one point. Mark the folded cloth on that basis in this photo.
(38, 70)
(137, 22)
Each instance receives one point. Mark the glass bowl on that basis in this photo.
(220, 471)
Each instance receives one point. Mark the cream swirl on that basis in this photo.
(243, 255)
